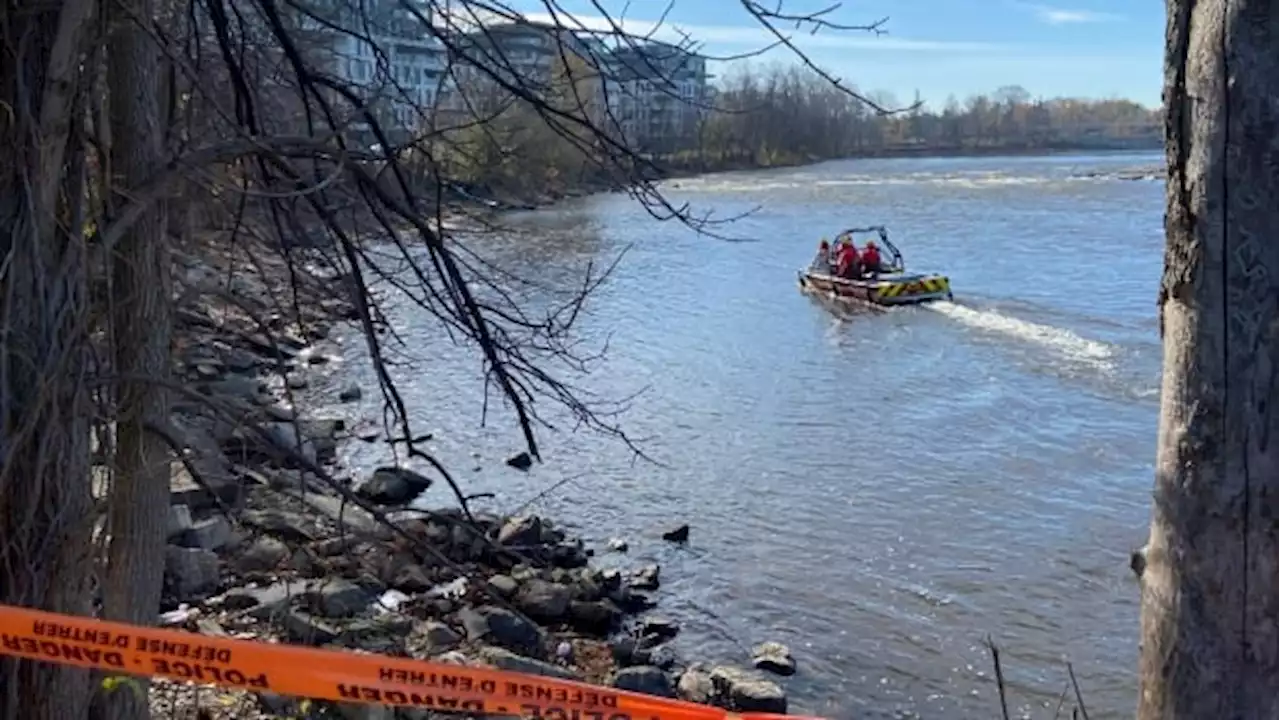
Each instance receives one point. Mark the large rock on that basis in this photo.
(502, 627)
(393, 485)
(263, 554)
(746, 691)
(773, 657)
(305, 628)
(290, 527)
(192, 572)
(678, 534)
(506, 660)
(644, 679)
(523, 531)
(659, 629)
(543, 600)
(263, 603)
(278, 442)
(502, 585)
(212, 533)
(646, 577)
(337, 598)
(217, 485)
(695, 684)
(430, 638)
(179, 521)
(594, 616)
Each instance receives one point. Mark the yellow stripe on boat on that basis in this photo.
(922, 286)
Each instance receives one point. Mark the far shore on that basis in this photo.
(676, 170)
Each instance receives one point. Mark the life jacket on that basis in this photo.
(871, 257)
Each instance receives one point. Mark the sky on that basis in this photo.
(1070, 48)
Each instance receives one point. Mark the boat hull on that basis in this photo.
(885, 290)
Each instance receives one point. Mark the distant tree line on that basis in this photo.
(787, 115)
(761, 117)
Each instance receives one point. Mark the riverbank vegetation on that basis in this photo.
(786, 115)
(776, 116)
(195, 192)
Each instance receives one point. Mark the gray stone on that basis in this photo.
(393, 485)
(659, 628)
(679, 534)
(295, 382)
(266, 602)
(281, 412)
(352, 711)
(179, 520)
(773, 657)
(521, 531)
(543, 600)
(289, 438)
(212, 533)
(662, 656)
(243, 387)
(746, 691)
(304, 628)
(264, 553)
(216, 486)
(506, 660)
(337, 598)
(594, 615)
(695, 685)
(287, 526)
(503, 585)
(350, 393)
(644, 679)
(646, 578)
(503, 628)
(617, 545)
(192, 572)
(430, 638)
(412, 578)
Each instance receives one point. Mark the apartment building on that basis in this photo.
(663, 94)
(535, 57)
(651, 94)
(385, 52)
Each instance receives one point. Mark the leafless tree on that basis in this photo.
(131, 123)
(1209, 586)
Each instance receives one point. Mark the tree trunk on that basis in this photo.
(45, 408)
(1209, 635)
(142, 321)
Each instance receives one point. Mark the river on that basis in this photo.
(880, 491)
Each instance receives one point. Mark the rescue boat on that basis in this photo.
(891, 285)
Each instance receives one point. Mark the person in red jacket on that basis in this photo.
(871, 257)
(847, 260)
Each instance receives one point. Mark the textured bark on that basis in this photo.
(1209, 637)
(45, 409)
(142, 322)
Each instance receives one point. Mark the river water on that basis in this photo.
(878, 490)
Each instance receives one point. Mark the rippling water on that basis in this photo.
(878, 490)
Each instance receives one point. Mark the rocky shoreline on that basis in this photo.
(268, 539)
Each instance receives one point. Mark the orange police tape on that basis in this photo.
(327, 674)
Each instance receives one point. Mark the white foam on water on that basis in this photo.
(1065, 342)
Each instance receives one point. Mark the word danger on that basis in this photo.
(67, 652)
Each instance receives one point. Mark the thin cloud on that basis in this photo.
(1068, 16)
(744, 37)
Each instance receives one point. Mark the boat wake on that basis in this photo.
(1060, 340)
